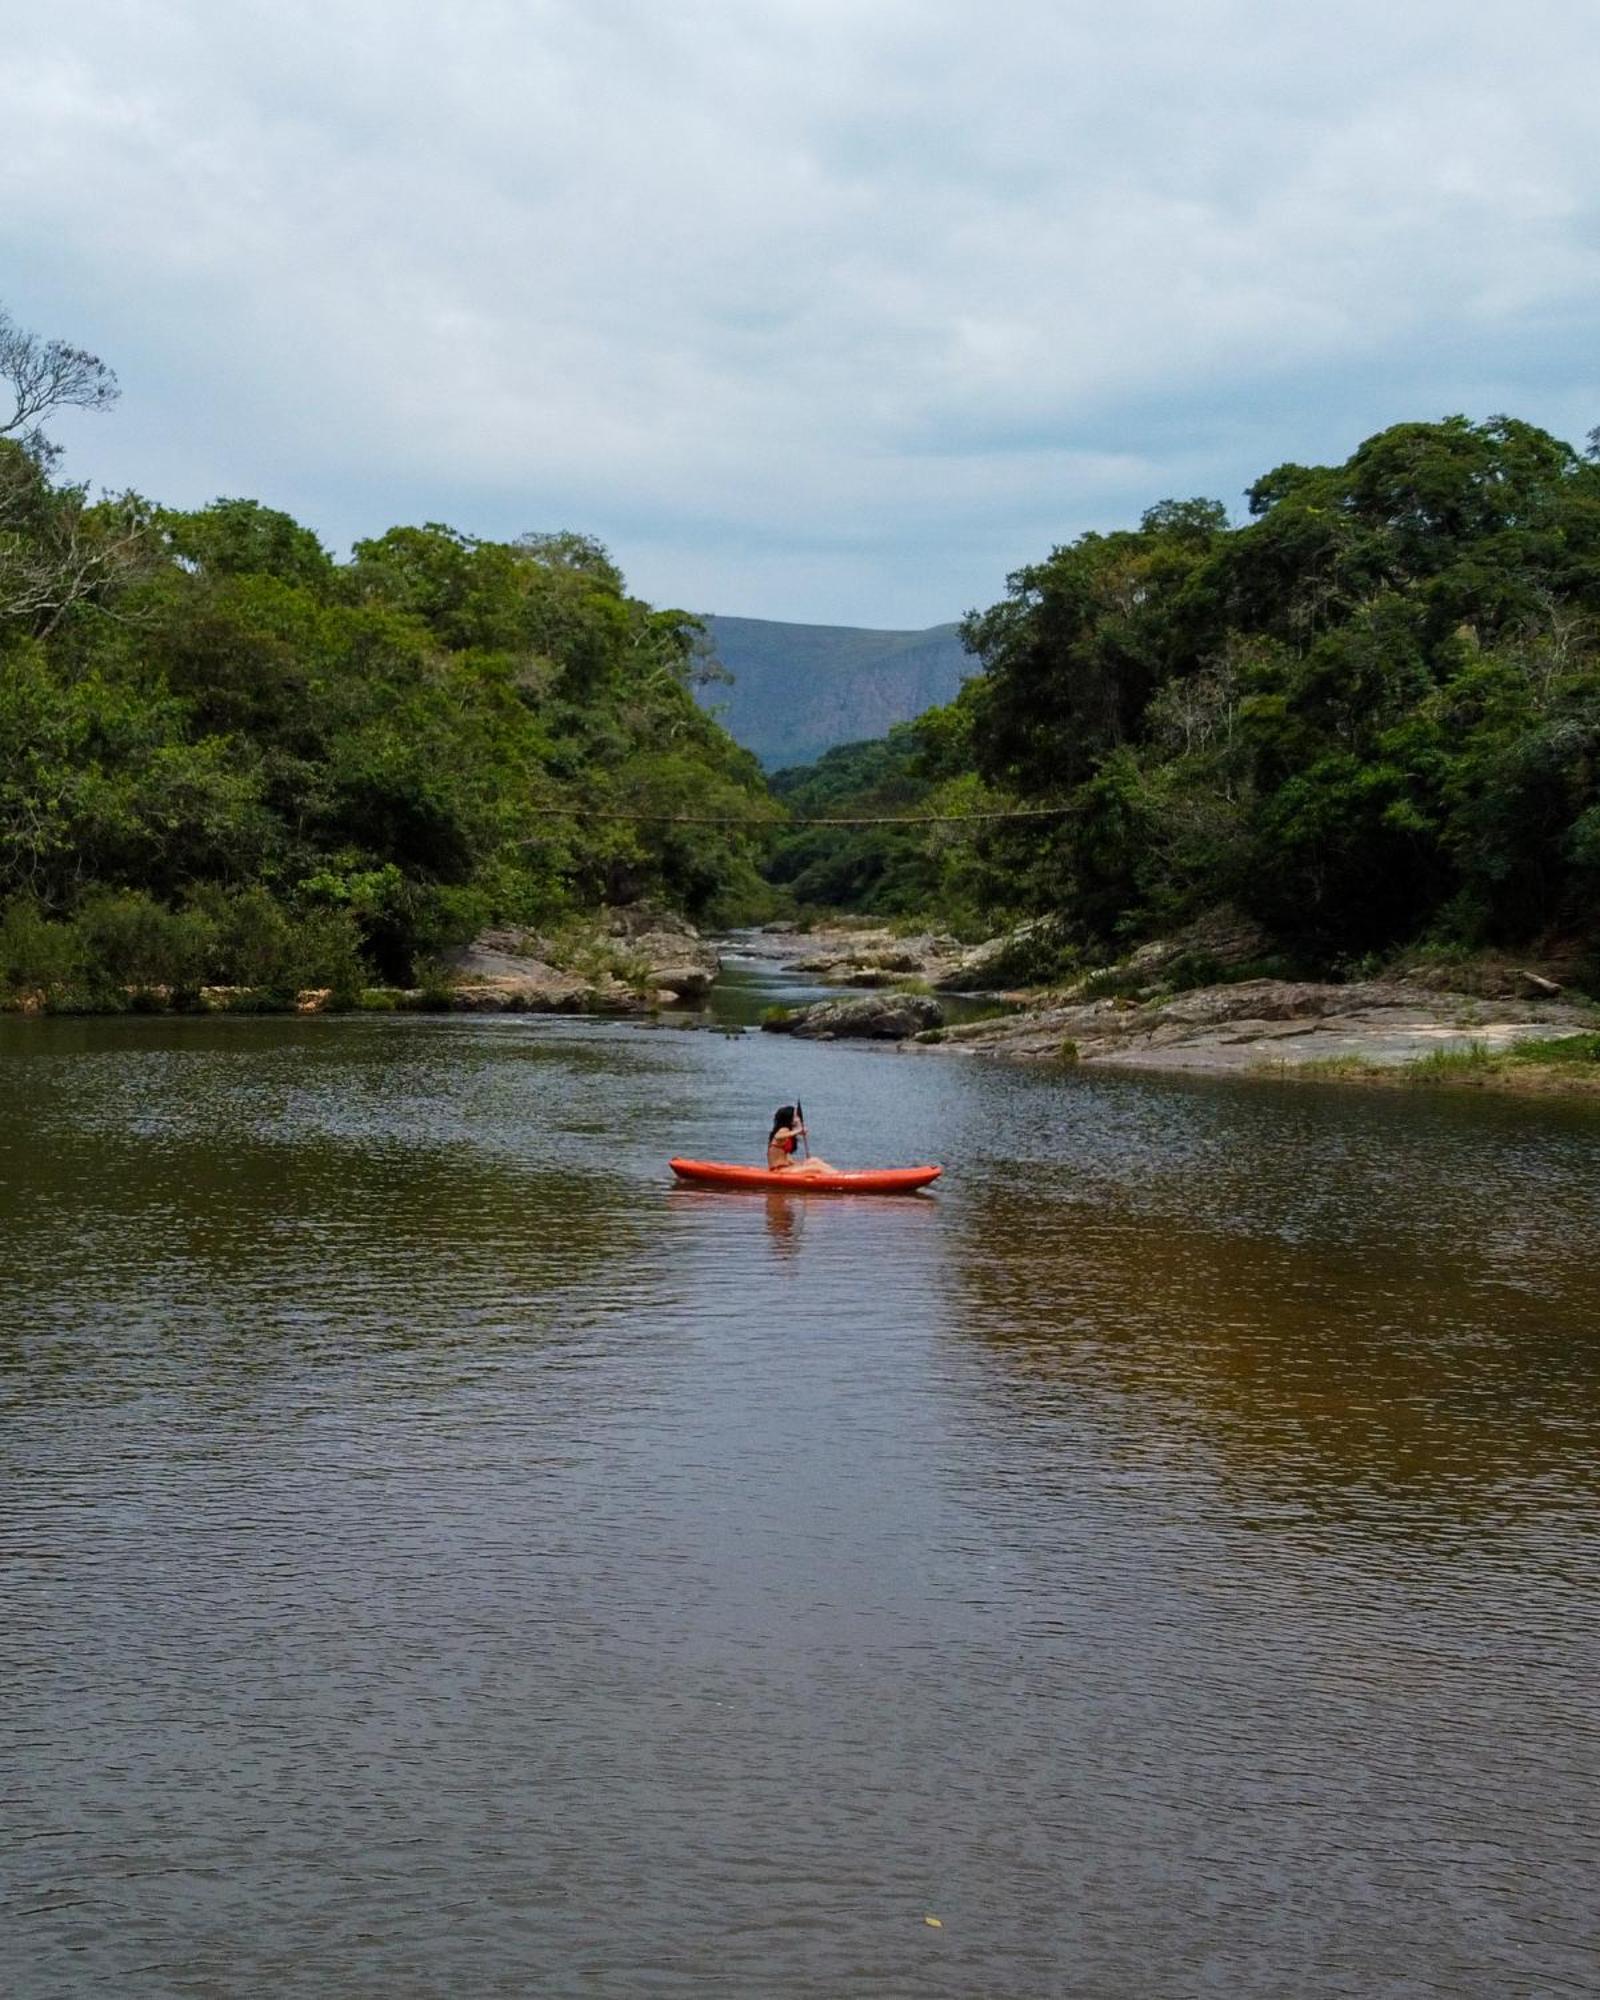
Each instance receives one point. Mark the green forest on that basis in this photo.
(1368, 716)
(227, 758)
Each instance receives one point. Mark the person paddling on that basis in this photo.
(788, 1130)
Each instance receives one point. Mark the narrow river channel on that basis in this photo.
(441, 1557)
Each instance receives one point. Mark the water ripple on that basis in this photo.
(441, 1557)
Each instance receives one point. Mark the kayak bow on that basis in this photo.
(883, 1180)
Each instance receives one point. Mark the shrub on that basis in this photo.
(130, 940)
(260, 944)
(37, 955)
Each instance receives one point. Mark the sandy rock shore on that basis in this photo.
(1231, 1027)
(1262, 1024)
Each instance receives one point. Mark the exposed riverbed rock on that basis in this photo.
(887, 1017)
(1014, 958)
(508, 971)
(628, 962)
(1223, 937)
(860, 957)
(1264, 1023)
(668, 951)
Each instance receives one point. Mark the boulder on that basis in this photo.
(668, 950)
(1224, 936)
(1018, 957)
(888, 1017)
(506, 969)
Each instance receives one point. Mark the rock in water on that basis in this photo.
(886, 1017)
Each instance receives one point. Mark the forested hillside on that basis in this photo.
(226, 757)
(1368, 716)
(797, 690)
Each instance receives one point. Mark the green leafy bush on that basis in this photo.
(36, 954)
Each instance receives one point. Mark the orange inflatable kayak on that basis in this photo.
(885, 1180)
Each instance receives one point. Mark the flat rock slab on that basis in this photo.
(1267, 1024)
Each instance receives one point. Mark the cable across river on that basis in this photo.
(754, 825)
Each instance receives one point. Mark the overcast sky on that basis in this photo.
(820, 309)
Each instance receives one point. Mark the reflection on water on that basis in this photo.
(443, 1556)
(1376, 1374)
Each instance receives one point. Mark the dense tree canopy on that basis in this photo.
(1369, 714)
(209, 729)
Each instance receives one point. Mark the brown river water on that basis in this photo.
(440, 1557)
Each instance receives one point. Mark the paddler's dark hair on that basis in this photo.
(784, 1115)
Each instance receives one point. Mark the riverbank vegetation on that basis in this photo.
(228, 759)
(1364, 723)
(1368, 717)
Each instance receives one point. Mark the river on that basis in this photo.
(441, 1557)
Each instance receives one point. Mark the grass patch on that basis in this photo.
(1562, 1064)
(433, 997)
(1324, 1067)
(1557, 1050)
(1112, 982)
(1472, 1064)
(1450, 1065)
(261, 1000)
(1185, 973)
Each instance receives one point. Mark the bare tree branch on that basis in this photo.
(46, 375)
(58, 549)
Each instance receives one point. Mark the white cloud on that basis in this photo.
(812, 309)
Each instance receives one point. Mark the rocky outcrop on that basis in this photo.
(512, 965)
(1262, 1023)
(886, 1017)
(628, 962)
(868, 957)
(1015, 958)
(1224, 938)
(668, 952)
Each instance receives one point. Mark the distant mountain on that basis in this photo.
(800, 689)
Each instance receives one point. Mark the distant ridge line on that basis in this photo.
(798, 691)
